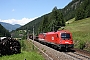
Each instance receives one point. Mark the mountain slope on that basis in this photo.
(4, 32)
(29, 26)
(10, 27)
(68, 13)
(70, 10)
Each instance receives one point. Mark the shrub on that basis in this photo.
(81, 45)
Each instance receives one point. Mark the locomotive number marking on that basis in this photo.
(52, 38)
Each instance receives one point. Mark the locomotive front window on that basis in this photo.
(65, 35)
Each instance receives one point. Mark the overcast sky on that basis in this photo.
(24, 11)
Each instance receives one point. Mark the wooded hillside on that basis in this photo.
(57, 18)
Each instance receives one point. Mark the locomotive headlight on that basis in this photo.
(66, 42)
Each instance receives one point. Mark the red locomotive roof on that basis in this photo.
(50, 32)
(63, 31)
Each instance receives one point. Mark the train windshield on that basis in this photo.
(65, 35)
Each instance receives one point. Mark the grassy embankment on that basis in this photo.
(81, 32)
(27, 53)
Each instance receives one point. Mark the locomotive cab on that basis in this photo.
(65, 40)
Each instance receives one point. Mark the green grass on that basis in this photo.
(81, 32)
(70, 21)
(22, 56)
(27, 53)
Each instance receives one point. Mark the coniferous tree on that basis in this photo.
(58, 19)
(52, 22)
(79, 14)
(45, 23)
(83, 11)
(87, 12)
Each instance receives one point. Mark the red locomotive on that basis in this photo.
(61, 39)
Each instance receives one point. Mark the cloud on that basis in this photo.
(13, 10)
(23, 21)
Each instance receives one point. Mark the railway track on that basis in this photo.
(54, 54)
(78, 56)
(47, 57)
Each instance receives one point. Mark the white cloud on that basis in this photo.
(13, 10)
(23, 21)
